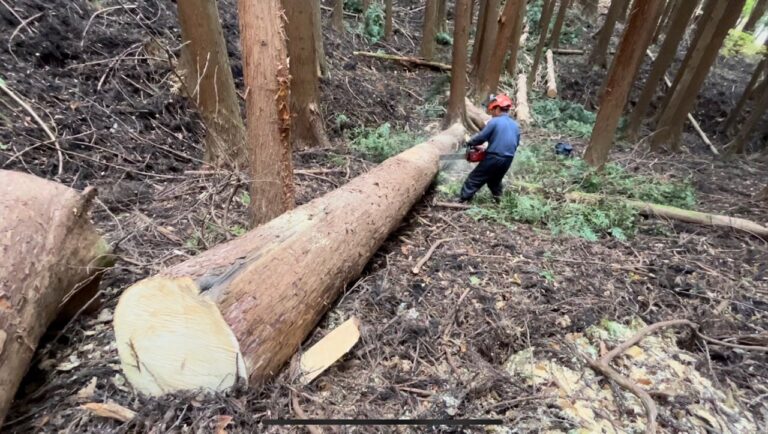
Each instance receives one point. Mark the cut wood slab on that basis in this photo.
(329, 349)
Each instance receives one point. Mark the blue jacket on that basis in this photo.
(502, 134)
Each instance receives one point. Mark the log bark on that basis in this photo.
(389, 11)
(523, 110)
(546, 17)
(239, 311)
(519, 35)
(338, 16)
(551, 77)
(489, 81)
(699, 59)
(733, 116)
(429, 30)
(739, 143)
(669, 11)
(666, 56)
(757, 12)
(600, 52)
(209, 84)
(267, 78)
(52, 259)
(554, 40)
(307, 129)
(635, 40)
(456, 107)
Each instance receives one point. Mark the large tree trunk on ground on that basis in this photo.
(757, 12)
(600, 51)
(629, 55)
(388, 20)
(546, 17)
(695, 69)
(307, 129)
(666, 55)
(265, 291)
(52, 257)
(462, 18)
(208, 82)
(739, 143)
(761, 68)
(517, 42)
(338, 16)
(429, 30)
(490, 30)
(554, 40)
(508, 20)
(267, 78)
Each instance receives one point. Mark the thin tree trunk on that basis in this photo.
(554, 40)
(739, 143)
(508, 20)
(267, 78)
(516, 43)
(389, 11)
(442, 16)
(666, 56)
(462, 17)
(546, 17)
(600, 51)
(490, 29)
(238, 312)
(702, 56)
(635, 40)
(209, 83)
(761, 68)
(317, 25)
(757, 12)
(429, 30)
(338, 16)
(477, 45)
(50, 254)
(669, 11)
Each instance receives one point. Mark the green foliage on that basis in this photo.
(570, 35)
(245, 198)
(4, 147)
(443, 38)
(564, 117)
(374, 22)
(739, 43)
(237, 230)
(381, 143)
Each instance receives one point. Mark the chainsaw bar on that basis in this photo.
(449, 157)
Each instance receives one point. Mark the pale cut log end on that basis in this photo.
(170, 338)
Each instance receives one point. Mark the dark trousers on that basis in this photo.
(489, 171)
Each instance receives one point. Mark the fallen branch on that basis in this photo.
(405, 59)
(452, 205)
(567, 51)
(523, 111)
(426, 257)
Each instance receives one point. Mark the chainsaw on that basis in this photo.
(472, 155)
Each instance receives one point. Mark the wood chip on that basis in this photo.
(329, 349)
(88, 391)
(110, 410)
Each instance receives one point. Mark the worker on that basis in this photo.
(503, 136)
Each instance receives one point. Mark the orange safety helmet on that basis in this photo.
(501, 101)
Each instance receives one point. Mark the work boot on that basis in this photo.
(497, 199)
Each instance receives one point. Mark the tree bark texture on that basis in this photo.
(599, 54)
(757, 12)
(762, 68)
(669, 11)
(477, 44)
(317, 25)
(629, 55)
(208, 82)
(507, 23)
(389, 19)
(307, 130)
(554, 41)
(240, 310)
(701, 57)
(666, 56)
(429, 30)
(338, 16)
(517, 42)
(267, 78)
(546, 17)
(490, 29)
(462, 17)
(739, 143)
(52, 255)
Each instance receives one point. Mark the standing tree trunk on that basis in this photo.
(516, 43)
(600, 51)
(442, 16)
(338, 16)
(546, 17)
(669, 11)
(268, 79)
(389, 11)
(462, 16)
(477, 45)
(307, 130)
(508, 20)
(635, 40)
(739, 143)
(429, 30)
(624, 9)
(554, 40)
(208, 82)
(50, 254)
(317, 25)
(761, 68)
(490, 29)
(700, 58)
(665, 58)
(757, 12)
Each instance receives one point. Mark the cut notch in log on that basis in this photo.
(239, 311)
(551, 77)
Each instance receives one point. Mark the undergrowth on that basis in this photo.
(563, 116)
(378, 144)
(739, 43)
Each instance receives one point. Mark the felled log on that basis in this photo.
(405, 59)
(237, 312)
(551, 78)
(52, 257)
(523, 110)
(567, 51)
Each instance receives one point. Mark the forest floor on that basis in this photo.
(448, 341)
